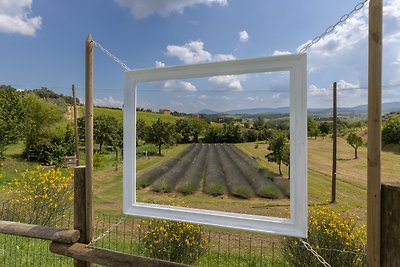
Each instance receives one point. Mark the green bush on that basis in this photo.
(215, 189)
(172, 241)
(187, 188)
(40, 195)
(337, 238)
(269, 192)
(242, 192)
(50, 147)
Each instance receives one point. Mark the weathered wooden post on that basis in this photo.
(374, 133)
(334, 133)
(390, 223)
(76, 127)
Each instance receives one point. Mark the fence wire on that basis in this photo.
(124, 234)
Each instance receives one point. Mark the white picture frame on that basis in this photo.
(296, 225)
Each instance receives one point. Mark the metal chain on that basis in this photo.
(332, 27)
(104, 234)
(319, 257)
(108, 53)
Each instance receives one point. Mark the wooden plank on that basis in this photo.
(89, 71)
(374, 133)
(390, 222)
(107, 257)
(40, 232)
(80, 209)
(334, 148)
(76, 128)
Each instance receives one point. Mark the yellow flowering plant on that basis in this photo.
(173, 241)
(337, 237)
(40, 195)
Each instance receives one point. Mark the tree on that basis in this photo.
(325, 128)
(312, 127)
(391, 130)
(105, 130)
(185, 129)
(355, 141)
(140, 130)
(259, 123)
(279, 147)
(160, 133)
(11, 117)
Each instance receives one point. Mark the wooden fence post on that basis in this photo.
(390, 225)
(76, 127)
(374, 133)
(80, 200)
(334, 137)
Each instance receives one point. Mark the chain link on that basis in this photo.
(108, 53)
(319, 257)
(332, 27)
(114, 226)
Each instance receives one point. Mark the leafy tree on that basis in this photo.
(160, 133)
(391, 130)
(355, 141)
(259, 123)
(140, 130)
(213, 135)
(325, 128)
(11, 117)
(312, 127)
(185, 129)
(278, 145)
(231, 133)
(105, 130)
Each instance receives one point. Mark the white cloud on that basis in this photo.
(346, 48)
(193, 52)
(203, 97)
(224, 97)
(141, 9)
(159, 64)
(171, 85)
(229, 81)
(108, 102)
(281, 53)
(243, 36)
(15, 17)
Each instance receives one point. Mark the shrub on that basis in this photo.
(49, 147)
(330, 234)
(269, 192)
(215, 189)
(42, 194)
(242, 191)
(187, 188)
(172, 241)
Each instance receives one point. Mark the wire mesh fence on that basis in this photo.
(224, 247)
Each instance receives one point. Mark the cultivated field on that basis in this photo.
(214, 169)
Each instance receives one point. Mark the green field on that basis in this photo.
(148, 117)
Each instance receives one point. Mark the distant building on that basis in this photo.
(165, 111)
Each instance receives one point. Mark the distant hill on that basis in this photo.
(361, 109)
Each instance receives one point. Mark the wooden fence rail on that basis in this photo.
(107, 257)
(40, 232)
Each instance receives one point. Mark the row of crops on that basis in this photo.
(214, 169)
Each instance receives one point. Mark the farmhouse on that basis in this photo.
(165, 111)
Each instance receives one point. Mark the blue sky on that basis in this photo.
(42, 44)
